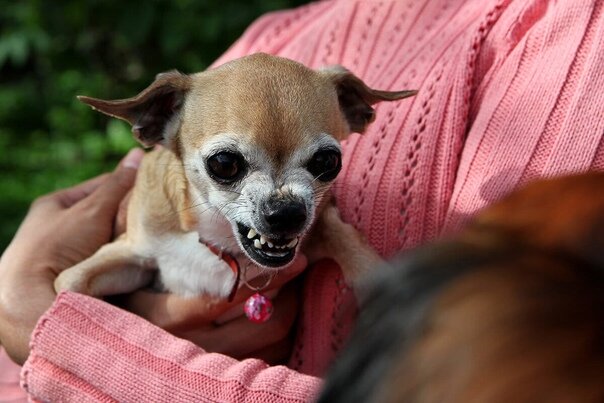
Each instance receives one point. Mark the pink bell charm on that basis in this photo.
(258, 308)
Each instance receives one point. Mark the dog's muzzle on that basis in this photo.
(273, 240)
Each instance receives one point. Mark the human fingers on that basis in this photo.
(70, 196)
(119, 226)
(171, 312)
(271, 290)
(108, 196)
(238, 310)
(122, 178)
(241, 338)
(167, 310)
(65, 198)
(275, 354)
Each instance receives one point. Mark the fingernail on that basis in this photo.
(133, 158)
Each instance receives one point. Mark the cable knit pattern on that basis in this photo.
(509, 91)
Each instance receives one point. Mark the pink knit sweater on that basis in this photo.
(509, 90)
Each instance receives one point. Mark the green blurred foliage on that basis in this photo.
(51, 51)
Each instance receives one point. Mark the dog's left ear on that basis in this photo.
(356, 98)
(151, 111)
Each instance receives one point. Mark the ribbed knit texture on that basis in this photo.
(170, 369)
(509, 91)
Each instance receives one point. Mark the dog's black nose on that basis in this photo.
(284, 217)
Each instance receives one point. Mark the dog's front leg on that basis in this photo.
(189, 268)
(333, 238)
(114, 269)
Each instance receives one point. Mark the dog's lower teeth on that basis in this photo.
(272, 250)
(275, 254)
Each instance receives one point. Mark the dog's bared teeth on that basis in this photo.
(293, 243)
(257, 244)
(270, 245)
(262, 239)
(251, 234)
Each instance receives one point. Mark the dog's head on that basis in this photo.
(259, 140)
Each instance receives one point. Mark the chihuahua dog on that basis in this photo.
(509, 310)
(250, 150)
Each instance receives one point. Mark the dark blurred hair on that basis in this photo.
(512, 310)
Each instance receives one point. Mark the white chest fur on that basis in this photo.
(189, 268)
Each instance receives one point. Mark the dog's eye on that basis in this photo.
(325, 165)
(226, 166)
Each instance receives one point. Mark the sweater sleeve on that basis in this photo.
(84, 349)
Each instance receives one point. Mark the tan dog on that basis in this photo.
(251, 148)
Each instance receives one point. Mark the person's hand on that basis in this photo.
(60, 230)
(220, 326)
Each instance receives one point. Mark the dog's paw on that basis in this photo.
(335, 239)
(67, 281)
(113, 269)
(330, 218)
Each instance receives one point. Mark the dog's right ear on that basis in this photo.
(356, 98)
(151, 111)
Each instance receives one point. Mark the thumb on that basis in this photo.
(118, 184)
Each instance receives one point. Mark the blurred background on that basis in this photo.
(51, 51)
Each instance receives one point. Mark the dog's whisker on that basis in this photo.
(232, 191)
(195, 206)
